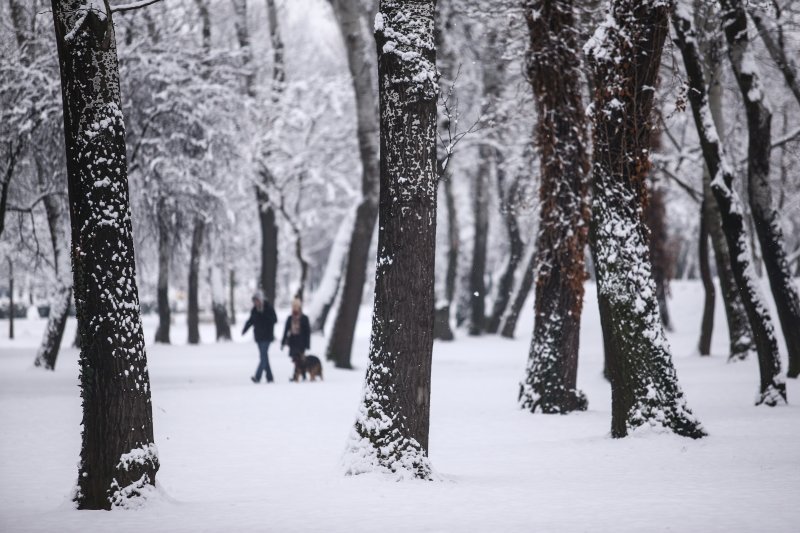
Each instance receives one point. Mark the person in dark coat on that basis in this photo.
(297, 335)
(263, 320)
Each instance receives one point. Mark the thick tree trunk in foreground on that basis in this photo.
(644, 386)
(554, 71)
(772, 390)
(391, 429)
(765, 217)
(162, 289)
(707, 322)
(193, 308)
(119, 460)
(359, 60)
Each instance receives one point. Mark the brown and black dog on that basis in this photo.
(307, 363)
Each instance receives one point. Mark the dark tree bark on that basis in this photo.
(441, 327)
(765, 217)
(10, 299)
(392, 426)
(193, 308)
(625, 55)
(118, 458)
(232, 288)
(509, 321)
(361, 65)
(707, 322)
(480, 213)
(162, 288)
(554, 72)
(740, 338)
(656, 219)
(505, 285)
(222, 324)
(772, 390)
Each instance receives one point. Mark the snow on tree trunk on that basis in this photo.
(765, 216)
(193, 307)
(554, 71)
(625, 55)
(772, 389)
(359, 60)
(324, 297)
(119, 460)
(391, 430)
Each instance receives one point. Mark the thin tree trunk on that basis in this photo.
(625, 55)
(441, 325)
(777, 48)
(392, 426)
(740, 337)
(480, 210)
(162, 289)
(554, 71)
(119, 460)
(232, 288)
(772, 390)
(655, 218)
(765, 217)
(707, 323)
(505, 285)
(10, 299)
(509, 322)
(222, 324)
(361, 65)
(193, 308)
(325, 295)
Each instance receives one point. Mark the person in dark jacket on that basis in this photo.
(263, 320)
(297, 335)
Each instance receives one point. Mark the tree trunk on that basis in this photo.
(392, 425)
(740, 338)
(660, 257)
(222, 324)
(625, 55)
(325, 295)
(119, 460)
(162, 290)
(480, 210)
(707, 323)
(505, 285)
(509, 321)
(772, 389)
(777, 48)
(441, 327)
(554, 71)
(193, 308)
(359, 60)
(232, 288)
(10, 299)
(765, 217)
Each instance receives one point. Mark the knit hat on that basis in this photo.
(258, 295)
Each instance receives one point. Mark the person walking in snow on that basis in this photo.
(297, 335)
(263, 320)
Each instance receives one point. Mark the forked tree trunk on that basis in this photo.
(765, 217)
(162, 289)
(554, 71)
(193, 308)
(772, 389)
(392, 425)
(361, 65)
(119, 460)
(625, 55)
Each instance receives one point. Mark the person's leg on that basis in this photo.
(262, 352)
(265, 362)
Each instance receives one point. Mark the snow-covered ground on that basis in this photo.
(242, 457)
